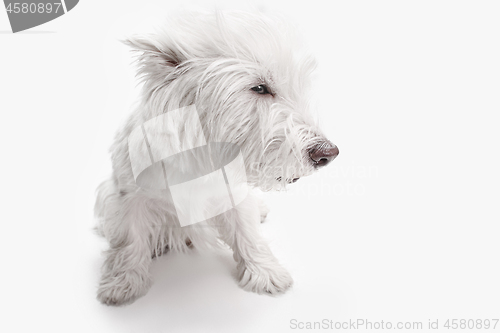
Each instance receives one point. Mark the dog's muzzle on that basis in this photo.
(319, 155)
(322, 155)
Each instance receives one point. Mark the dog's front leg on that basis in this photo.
(125, 273)
(258, 269)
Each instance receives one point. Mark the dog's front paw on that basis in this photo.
(269, 280)
(123, 288)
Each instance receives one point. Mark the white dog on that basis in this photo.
(249, 79)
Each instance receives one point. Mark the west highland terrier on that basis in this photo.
(236, 80)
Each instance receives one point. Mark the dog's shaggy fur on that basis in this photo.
(212, 61)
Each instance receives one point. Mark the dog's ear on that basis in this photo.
(154, 57)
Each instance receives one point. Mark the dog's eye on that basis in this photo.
(261, 89)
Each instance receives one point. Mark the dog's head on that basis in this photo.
(250, 83)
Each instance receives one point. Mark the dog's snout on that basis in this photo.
(323, 155)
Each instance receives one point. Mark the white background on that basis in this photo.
(403, 226)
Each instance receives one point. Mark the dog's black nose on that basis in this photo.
(323, 155)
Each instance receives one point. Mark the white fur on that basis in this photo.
(212, 61)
